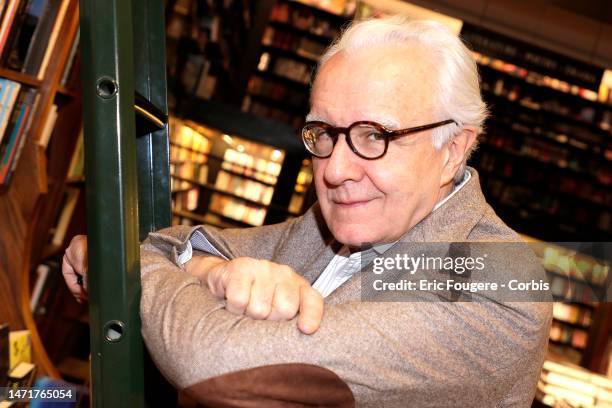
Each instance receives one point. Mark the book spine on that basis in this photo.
(49, 126)
(30, 104)
(7, 22)
(71, 57)
(16, 128)
(53, 39)
(40, 39)
(4, 93)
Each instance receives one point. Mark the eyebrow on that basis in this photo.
(386, 122)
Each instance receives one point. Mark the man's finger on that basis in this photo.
(260, 302)
(311, 310)
(71, 278)
(286, 302)
(238, 292)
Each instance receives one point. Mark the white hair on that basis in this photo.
(457, 85)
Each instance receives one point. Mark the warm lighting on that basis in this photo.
(227, 139)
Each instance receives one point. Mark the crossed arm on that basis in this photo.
(435, 354)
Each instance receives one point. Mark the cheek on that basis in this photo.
(318, 169)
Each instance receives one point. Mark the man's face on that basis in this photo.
(377, 201)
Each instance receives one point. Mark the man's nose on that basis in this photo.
(343, 164)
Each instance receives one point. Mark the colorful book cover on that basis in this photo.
(31, 101)
(10, 91)
(8, 122)
(20, 348)
(16, 129)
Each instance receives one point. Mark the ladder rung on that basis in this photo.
(148, 117)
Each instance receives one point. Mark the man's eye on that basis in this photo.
(376, 136)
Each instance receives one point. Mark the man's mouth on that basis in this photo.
(351, 203)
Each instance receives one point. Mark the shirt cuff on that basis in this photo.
(201, 243)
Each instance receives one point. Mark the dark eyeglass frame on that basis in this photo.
(334, 132)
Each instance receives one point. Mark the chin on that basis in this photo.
(354, 235)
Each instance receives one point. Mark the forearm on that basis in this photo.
(370, 346)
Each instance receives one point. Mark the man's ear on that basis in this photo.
(457, 149)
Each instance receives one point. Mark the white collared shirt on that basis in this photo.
(342, 266)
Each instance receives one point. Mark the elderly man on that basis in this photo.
(237, 317)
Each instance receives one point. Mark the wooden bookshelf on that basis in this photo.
(35, 188)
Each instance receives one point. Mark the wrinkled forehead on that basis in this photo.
(387, 84)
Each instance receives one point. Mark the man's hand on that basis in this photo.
(260, 289)
(74, 267)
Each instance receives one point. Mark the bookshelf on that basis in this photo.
(546, 157)
(545, 163)
(579, 275)
(296, 34)
(226, 180)
(35, 184)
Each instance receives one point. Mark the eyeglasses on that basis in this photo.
(368, 140)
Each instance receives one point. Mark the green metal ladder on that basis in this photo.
(128, 188)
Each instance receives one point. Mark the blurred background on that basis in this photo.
(239, 74)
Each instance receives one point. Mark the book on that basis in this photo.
(17, 130)
(9, 92)
(7, 22)
(42, 274)
(76, 171)
(20, 348)
(21, 376)
(53, 38)
(22, 138)
(71, 58)
(70, 202)
(47, 131)
(40, 39)
(49, 290)
(21, 33)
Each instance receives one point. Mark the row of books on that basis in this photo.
(280, 93)
(185, 198)
(566, 290)
(511, 122)
(571, 313)
(565, 385)
(304, 19)
(516, 93)
(538, 196)
(274, 113)
(577, 266)
(589, 185)
(237, 209)
(535, 78)
(244, 188)
(28, 32)
(184, 134)
(568, 335)
(17, 104)
(264, 165)
(195, 171)
(283, 40)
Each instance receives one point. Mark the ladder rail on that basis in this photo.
(127, 185)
